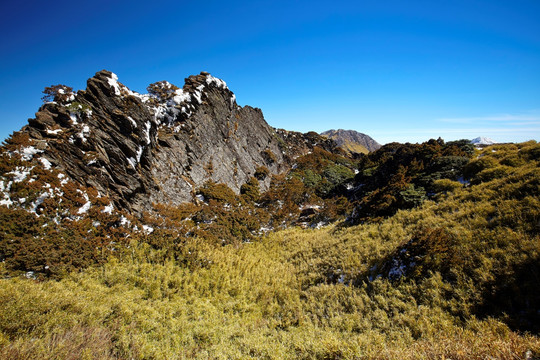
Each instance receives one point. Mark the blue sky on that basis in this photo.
(402, 71)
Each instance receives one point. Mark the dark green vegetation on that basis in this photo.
(402, 176)
(433, 267)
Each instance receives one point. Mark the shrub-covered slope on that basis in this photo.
(97, 166)
(456, 277)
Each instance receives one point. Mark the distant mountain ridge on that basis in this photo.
(352, 141)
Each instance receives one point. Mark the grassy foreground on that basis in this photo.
(467, 288)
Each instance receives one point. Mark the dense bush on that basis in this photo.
(218, 192)
(261, 173)
(59, 93)
(250, 190)
(402, 176)
(162, 90)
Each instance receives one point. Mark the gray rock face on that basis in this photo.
(346, 138)
(159, 147)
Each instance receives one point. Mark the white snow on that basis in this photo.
(62, 180)
(113, 82)
(4, 190)
(309, 206)
(20, 173)
(7, 202)
(139, 154)
(73, 118)
(124, 221)
(147, 125)
(198, 93)
(28, 153)
(84, 209)
(148, 229)
(54, 132)
(84, 132)
(217, 82)
(197, 96)
(181, 97)
(265, 229)
(39, 201)
(132, 162)
(108, 209)
(482, 141)
(132, 121)
(46, 163)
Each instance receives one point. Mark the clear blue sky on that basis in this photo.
(396, 70)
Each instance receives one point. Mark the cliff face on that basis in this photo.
(158, 147)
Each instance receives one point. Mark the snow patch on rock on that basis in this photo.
(46, 163)
(113, 82)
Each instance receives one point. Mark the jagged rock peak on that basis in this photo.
(352, 141)
(168, 102)
(140, 149)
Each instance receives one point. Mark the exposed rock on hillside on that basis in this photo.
(352, 141)
(159, 147)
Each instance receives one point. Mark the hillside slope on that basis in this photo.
(456, 277)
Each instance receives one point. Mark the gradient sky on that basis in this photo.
(402, 71)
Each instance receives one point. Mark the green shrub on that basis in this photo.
(218, 192)
(269, 156)
(446, 185)
(250, 190)
(478, 165)
(59, 93)
(261, 173)
(493, 173)
(162, 90)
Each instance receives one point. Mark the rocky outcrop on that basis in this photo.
(352, 141)
(140, 149)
